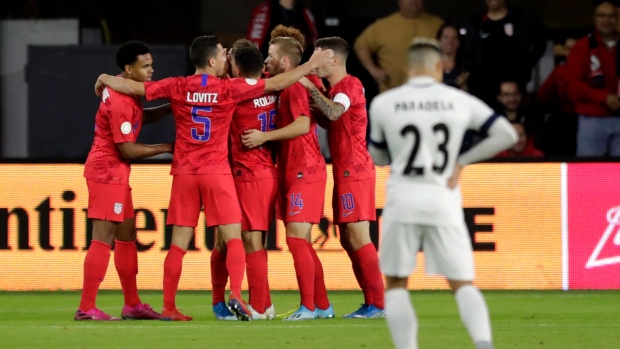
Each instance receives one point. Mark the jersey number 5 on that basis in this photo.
(410, 170)
(198, 117)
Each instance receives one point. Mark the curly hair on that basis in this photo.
(290, 42)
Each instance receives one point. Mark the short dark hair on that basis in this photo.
(335, 43)
(203, 48)
(128, 53)
(445, 26)
(249, 60)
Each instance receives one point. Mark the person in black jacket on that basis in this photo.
(502, 43)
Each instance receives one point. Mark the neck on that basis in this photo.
(337, 75)
(287, 4)
(207, 70)
(497, 13)
(125, 75)
(609, 37)
(411, 14)
(424, 74)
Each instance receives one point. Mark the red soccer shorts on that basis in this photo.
(302, 202)
(109, 202)
(215, 192)
(258, 203)
(354, 201)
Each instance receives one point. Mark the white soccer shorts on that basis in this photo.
(447, 250)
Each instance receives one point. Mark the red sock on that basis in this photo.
(357, 270)
(219, 276)
(126, 262)
(304, 269)
(320, 291)
(267, 291)
(235, 264)
(95, 267)
(369, 262)
(173, 265)
(256, 267)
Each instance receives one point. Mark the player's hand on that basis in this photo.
(307, 83)
(99, 86)
(379, 75)
(453, 181)
(613, 102)
(321, 58)
(253, 138)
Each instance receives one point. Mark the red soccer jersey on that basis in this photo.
(260, 114)
(299, 159)
(118, 120)
(347, 135)
(203, 106)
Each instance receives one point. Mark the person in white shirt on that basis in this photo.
(419, 128)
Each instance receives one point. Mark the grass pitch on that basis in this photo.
(520, 319)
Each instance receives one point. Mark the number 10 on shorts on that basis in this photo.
(347, 202)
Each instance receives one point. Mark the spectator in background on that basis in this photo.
(593, 85)
(524, 147)
(510, 100)
(289, 13)
(382, 47)
(454, 73)
(502, 43)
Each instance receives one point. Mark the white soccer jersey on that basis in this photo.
(422, 124)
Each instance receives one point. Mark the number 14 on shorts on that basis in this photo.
(297, 204)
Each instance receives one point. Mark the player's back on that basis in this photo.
(423, 124)
(118, 120)
(347, 135)
(260, 114)
(203, 106)
(299, 159)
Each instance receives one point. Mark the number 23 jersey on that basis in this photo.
(422, 124)
(203, 107)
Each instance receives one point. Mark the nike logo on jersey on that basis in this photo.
(291, 213)
(344, 214)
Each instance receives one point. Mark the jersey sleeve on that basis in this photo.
(160, 89)
(122, 115)
(245, 89)
(482, 116)
(377, 135)
(298, 101)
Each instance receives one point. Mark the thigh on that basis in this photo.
(593, 135)
(400, 243)
(219, 198)
(354, 201)
(107, 202)
(257, 203)
(185, 202)
(129, 211)
(303, 203)
(448, 252)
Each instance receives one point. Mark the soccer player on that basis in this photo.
(256, 182)
(301, 173)
(203, 105)
(110, 206)
(354, 172)
(420, 127)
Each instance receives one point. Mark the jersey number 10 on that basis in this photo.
(410, 169)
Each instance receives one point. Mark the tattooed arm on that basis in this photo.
(333, 110)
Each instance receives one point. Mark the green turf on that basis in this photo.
(521, 319)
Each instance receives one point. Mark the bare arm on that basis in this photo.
(131, 150)
(122, 85)
(333, 110)
(150, 115)
(281, 81)
(255, 138)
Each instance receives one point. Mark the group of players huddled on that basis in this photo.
(229, 116)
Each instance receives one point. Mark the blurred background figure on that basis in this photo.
(382, 47)
(524, 147)
(289, 13)
(454, 73)
(502, 42)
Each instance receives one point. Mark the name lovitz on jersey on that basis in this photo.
(264, 101)
(423, 106)
(201, 97)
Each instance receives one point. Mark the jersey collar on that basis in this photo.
(421, 81)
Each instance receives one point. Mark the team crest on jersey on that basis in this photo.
(118, 208)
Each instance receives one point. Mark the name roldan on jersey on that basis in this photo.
(201, 97)
(264, 101)
(423, 106)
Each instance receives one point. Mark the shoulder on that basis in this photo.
(430, 18)
(387, 21)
